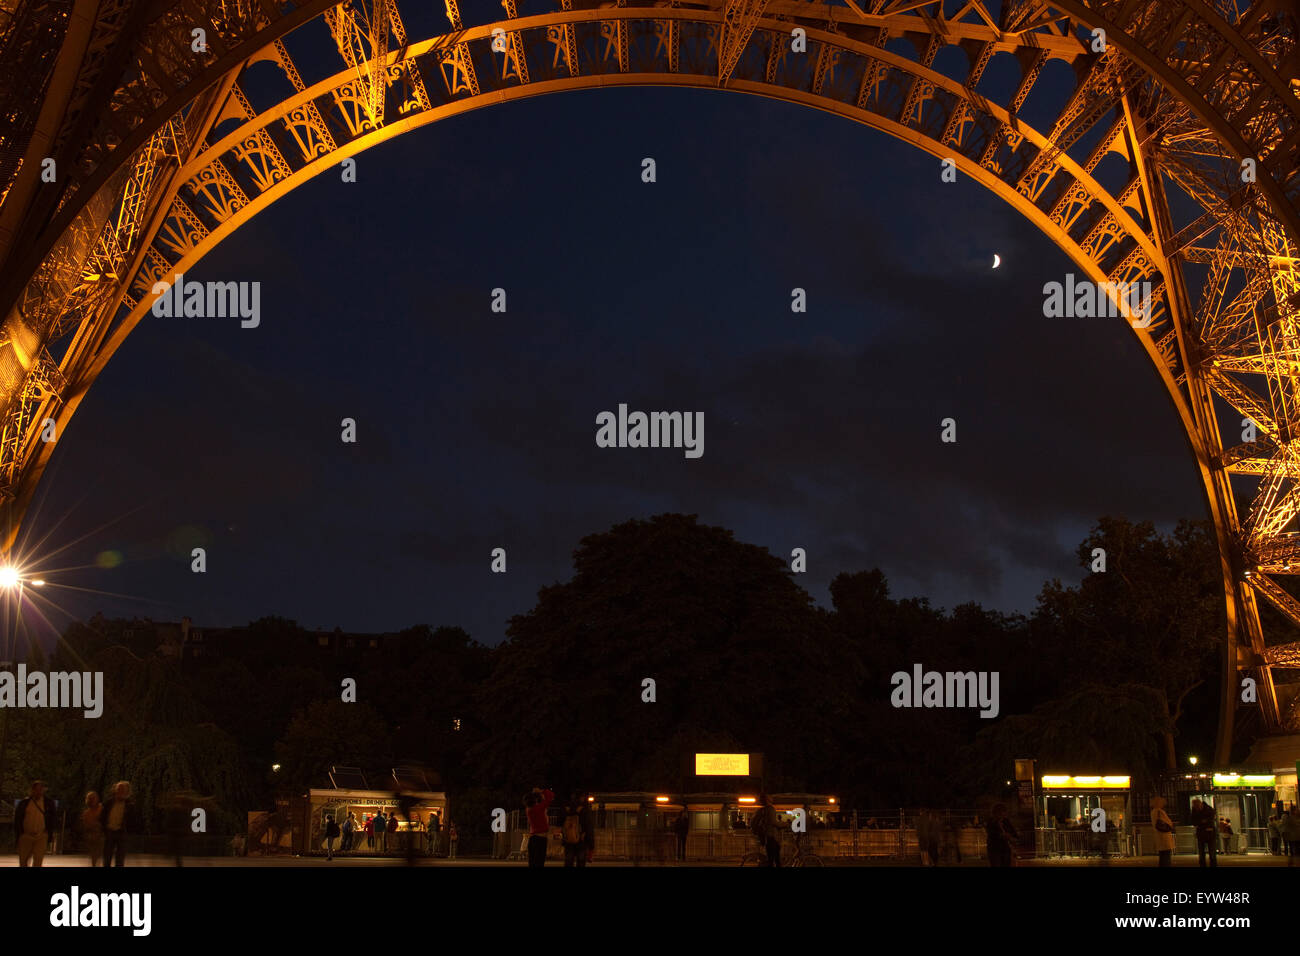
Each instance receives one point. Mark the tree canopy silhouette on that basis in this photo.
(740, 657)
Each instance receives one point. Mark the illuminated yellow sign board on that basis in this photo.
(1244, 780)
(1066, 782)
(722, 765)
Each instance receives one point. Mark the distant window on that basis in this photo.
(323, 640)
(374, 642)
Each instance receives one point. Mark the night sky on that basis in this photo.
(477, 430)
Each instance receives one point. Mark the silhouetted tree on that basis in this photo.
(1154, 617)
(331, 732)
(734, 646)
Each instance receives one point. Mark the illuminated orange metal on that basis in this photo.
(162, 156)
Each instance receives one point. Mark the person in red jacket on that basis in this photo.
(539, 828)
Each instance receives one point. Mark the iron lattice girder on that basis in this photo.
(739, 18)
(1278, 655)
(1153, 99)
(1283, 655)
(1278, 596)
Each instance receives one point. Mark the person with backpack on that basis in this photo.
(1164, 830)
(349, 828)
(331, 834)
(766, 830)
(571, 832)
(539, 828)
(1207, 832)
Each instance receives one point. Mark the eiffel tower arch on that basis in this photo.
(1172, 159)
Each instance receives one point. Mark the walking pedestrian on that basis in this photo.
(435, 832)
(682, 827)
(1225, 830)
(452, 837)
(1275, 833)
(1001, 837)
(32, 825)
(1164, 830)
(767, 830)
(119, 819)
(1290, 828)
(176, 823)
(952, 838)
(349, 828)
(575, 849)
(539, 828)
(406, 838)
(1207, 833)
(332, 832)
(92, 830)
(381, 831)
(927, 837)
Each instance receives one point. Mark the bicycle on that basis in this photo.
(801, 858)
(757, 857)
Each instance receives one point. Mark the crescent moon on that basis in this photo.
(997, 260)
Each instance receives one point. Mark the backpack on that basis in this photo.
(758, 824)
(332, 830)
(572, 829)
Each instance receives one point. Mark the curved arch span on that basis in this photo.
(162, 179)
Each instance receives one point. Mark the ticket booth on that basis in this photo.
(1242, 798)
(1065, 815)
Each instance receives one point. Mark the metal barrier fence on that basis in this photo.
(1083, 842)
(1140, 841)
(883, 836)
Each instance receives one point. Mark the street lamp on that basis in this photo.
(1192, 761)
(11, 577)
